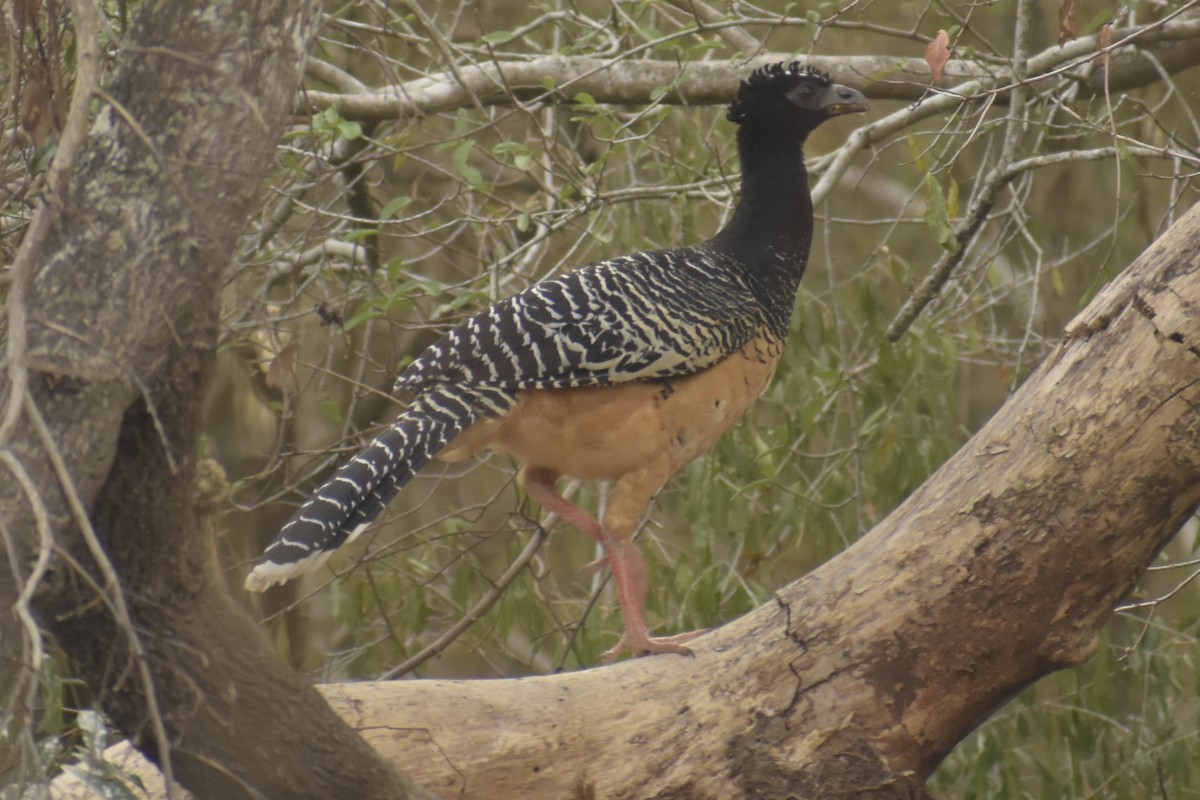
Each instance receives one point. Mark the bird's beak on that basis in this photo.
(844, 100)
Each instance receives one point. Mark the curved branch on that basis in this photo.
(626, 81)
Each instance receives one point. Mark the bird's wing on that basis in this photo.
(645, 316)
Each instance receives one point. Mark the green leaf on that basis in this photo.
(462, 122)
(469, 173)
(394, 205)
(918, 153)
(510, 147)
(937, 215)
(498, 37)
(651, 33)
(329, 124)
(1056, 280)
(366, 313)
(356, 235)
(465, 299)
(522, 157)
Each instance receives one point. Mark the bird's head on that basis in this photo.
(792, 97)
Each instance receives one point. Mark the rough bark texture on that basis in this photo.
(122, 331)
(860, 677)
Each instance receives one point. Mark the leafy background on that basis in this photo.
(376, 235)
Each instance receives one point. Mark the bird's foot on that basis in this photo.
(644, 645)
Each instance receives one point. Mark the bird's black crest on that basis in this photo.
(771, 79)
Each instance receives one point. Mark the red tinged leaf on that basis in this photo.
(937, 53)
(35, 108)
(1068, 24)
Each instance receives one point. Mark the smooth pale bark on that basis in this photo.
(1157, 50)
(860, 677)
(119, 310)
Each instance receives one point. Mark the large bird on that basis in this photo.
(623, 370)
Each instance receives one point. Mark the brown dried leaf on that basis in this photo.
(25, 13)
(1068, 24)
(1105, 40)
(281, 366)
(37, 117)
(937, 53)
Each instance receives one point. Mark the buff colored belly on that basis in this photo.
(606, 432)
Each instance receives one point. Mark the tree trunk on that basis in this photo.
(859, 678)
(118, 307)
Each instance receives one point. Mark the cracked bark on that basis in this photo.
(859, 678)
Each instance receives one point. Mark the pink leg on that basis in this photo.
(631, 582)
(628, 566)
(539, 484)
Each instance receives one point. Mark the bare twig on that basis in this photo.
(1049, 62)
(969, 225)
(476, 612)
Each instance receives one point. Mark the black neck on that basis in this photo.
(771, 229)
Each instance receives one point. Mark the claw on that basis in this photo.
(652, 645)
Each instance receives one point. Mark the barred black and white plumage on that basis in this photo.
(632, 320)
(348, 502)
(649, 315)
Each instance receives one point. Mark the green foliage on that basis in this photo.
(68, 741)
(941, 207)
(329, 125)
(1121, 726)
(106, 779)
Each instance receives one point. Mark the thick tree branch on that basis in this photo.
(1001, 568)
(634, 82)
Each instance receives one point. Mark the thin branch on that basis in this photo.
(705, 16)
(476, 611)
(969, 225)
(1047, 63)
(33, 653)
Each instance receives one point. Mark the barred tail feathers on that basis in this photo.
(346, 505)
